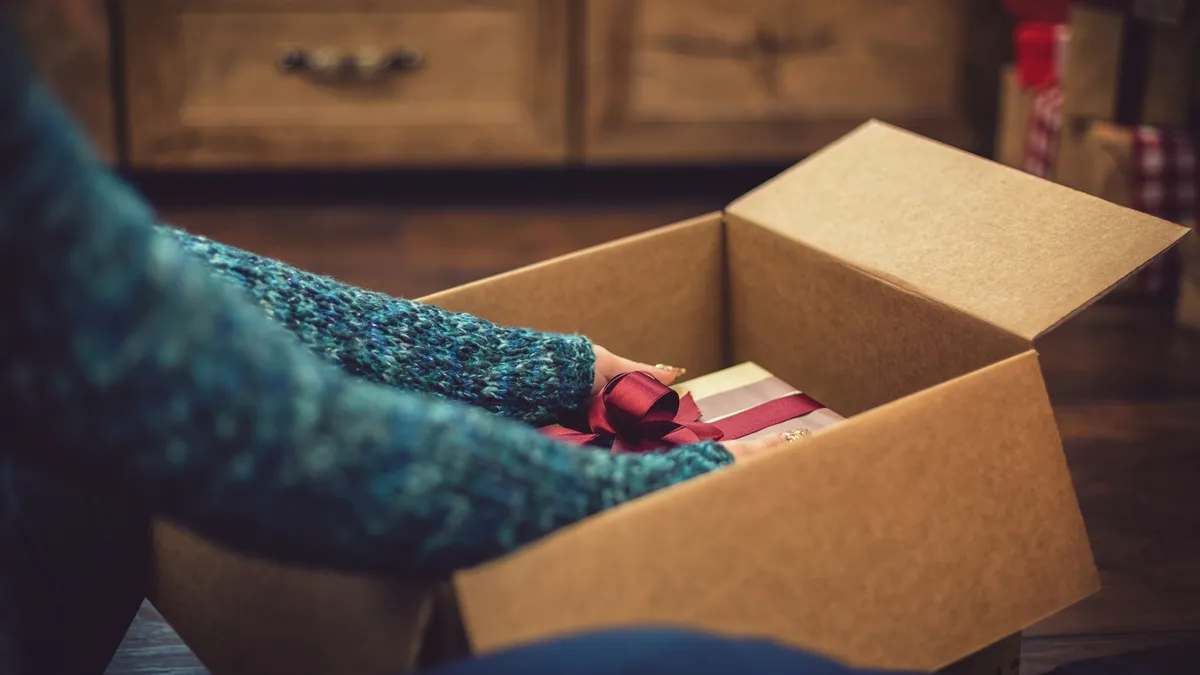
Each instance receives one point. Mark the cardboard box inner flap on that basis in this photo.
(897, 281)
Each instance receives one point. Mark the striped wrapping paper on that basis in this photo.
(745, 386)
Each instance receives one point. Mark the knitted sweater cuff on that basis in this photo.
(576, 358)
(701, 458)
(541, 374)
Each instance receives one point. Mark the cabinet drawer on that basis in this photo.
(337, 83)
(755, 79)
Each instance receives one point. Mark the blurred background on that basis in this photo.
(413, 145)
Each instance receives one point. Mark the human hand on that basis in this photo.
(609, 365)
(742, 450)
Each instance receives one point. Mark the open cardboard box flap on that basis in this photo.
(996, 243)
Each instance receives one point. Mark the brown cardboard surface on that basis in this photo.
(656, 297)
(850, 340)
(1016, 104)
(243, 616)
(1107, 160)
(1014, 250)
(1094, 62)
(907, 537)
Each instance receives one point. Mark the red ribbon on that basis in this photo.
(637, 413)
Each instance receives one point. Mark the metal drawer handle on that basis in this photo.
(362, 66)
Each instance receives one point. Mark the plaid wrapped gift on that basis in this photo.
(1163, 176)
(1045, 117)
(1041, 136)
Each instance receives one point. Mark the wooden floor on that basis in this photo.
(1125, 382)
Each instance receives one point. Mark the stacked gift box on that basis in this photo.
(1101, 98)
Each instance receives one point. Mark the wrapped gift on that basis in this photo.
(750, 393)
(1043, 135)
(1126, 68)
(1031, 118)
(636, 413)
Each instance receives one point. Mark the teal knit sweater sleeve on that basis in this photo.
(518, 373)
(123, 359)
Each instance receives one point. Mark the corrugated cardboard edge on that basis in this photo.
(881, 597)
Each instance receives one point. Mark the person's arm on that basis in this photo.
(122, 358)
(523, 374)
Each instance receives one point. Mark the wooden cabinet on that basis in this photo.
(344, 83)
(691, 80)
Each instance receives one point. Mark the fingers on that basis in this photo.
(663, 373)
(742, 450)
(609, 365)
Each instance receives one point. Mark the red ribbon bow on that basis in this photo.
(636, 413)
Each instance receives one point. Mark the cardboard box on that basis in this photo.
(1094, 62)
(900, 282)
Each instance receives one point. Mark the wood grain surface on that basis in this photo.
(205, 87)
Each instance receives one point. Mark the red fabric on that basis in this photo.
(636, 413)
(1036, 48)
(1163, 175)
(1054, 11)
